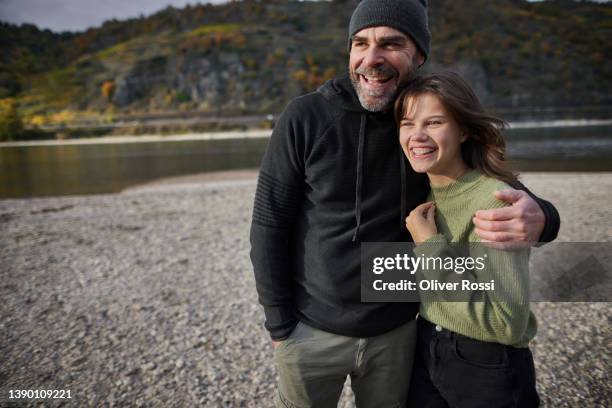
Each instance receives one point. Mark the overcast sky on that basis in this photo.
(77, 15)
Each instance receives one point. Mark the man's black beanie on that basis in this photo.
(407, 16)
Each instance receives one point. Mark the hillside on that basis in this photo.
(252, 57)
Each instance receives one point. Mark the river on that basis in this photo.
(106, 165)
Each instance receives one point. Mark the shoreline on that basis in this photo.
(265, 133)
(214, 178)
(121, 139)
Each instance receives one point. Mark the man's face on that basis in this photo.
(382, 59)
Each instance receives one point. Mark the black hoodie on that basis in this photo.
(333, 175)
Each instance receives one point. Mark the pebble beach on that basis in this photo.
(147, 297)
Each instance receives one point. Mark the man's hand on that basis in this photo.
(275, 344)
(521, 223)
(421, 222)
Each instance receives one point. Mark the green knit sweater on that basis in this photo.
(501, 315)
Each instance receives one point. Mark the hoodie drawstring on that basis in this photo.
(359, 181)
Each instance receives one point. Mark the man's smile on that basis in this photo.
(373, 79)
(377, 83)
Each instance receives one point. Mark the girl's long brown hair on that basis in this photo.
(484, 149)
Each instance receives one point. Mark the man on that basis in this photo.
(333, 176)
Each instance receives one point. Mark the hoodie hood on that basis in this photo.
(340, 92)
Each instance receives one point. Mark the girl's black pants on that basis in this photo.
(451, 370)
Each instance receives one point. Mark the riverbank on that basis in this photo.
(264, 133)
(249, 134)
(147, 297)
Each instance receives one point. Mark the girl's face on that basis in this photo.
(431, 139)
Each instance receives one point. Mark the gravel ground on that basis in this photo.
(147, 298)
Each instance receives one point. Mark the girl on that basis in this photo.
(473, 351)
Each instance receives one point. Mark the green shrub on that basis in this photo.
(11, 126)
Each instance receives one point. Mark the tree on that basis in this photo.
(108, 90)
(11, 126)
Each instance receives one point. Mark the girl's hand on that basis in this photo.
(421, 222)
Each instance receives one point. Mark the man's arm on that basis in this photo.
(277, 202)
(528, 219)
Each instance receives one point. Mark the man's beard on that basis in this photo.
(377, 101)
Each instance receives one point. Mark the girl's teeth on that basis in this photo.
(422, 150)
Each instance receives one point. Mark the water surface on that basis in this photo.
(68, 169)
